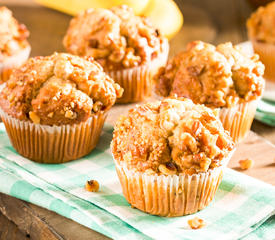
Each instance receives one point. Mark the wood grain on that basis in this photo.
(8, 230)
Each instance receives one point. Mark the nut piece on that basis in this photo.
(168, 169)
(246, 164)
(196, 223)
(97, 106)
(92, 186)
(70, 114)
(34, 117)
(50, 115)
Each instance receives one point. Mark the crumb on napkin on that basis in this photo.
(92, 186)
(196, 223)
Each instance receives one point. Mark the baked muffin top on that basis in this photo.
(219, 76)
(169, 137)
(261, 24)
(58, 89)
(115, 37)
(12, 34)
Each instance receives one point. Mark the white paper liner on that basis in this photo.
(12, 62)
(238, 120)
(137, 82)
(53, 144)
(173, 195)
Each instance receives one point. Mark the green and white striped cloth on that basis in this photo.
(266, 111)
(243, 206)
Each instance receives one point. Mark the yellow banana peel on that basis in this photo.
(164, 14)
(75, 6)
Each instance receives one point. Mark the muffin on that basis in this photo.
(54, 107)
(261, 32)
(14, 48)
(170, 156)
(128, 47)
(219, 77)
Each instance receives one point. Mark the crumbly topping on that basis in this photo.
(115, 37)
(58, 89)
(219, 76)
(261, 24)
(169, 137)
(12, 34)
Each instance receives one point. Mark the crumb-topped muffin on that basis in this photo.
(218, 77)
(165, 142)
(261, 32)
(14, 47)
(64, 98)
(122, 43)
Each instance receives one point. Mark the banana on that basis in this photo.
(73, 7)
(164, 14)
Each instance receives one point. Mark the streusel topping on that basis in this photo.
(58, 89)
(169, 137)
(115, 37)
(261, 24)
(219, 76)
(12, 34)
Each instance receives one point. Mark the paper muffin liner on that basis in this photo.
(172, 195)
(238, 119)
(137, 82)
(266, 52)
(53, 144)
(12, 62)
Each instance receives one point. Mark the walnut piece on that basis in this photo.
(196, 223)
(168, 169)
(34, 117)
(246, 164)
(92, 186)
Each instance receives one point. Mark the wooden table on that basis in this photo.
(213, 21)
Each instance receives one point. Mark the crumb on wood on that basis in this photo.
(246, 164)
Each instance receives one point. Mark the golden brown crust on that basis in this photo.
(261, 24)
(114, 37)
(12, 34)
(215, 76)
(58, 89)
(170, 136)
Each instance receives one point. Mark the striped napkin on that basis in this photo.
(243, 207)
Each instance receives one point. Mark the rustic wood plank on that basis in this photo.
(26, 219)
(8, 230)
(261, 152)
(40, 223)
(69, 229)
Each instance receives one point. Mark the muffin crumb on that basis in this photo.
(246, 164)
(216, 76)
(115, 37)
(92, 186)
(170, 137)
(58, 90)
(196, 223)
(13, 35)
